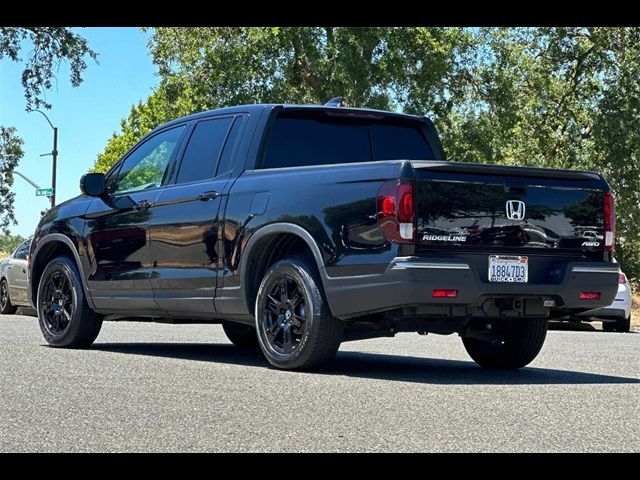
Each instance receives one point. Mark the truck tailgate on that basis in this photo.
(508, 209)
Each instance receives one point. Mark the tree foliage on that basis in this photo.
(8, 242)
(51, 46)
(551, 97)
(10, 154)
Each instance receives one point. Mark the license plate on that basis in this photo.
(512, 269)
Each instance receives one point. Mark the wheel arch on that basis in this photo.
(49, 247)
(269, 244)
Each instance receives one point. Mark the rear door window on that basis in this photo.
(200, 159)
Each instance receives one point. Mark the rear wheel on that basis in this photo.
(6, 308)
(623, 324)
(519, 342)
(63, 313)
(242, 336)
(609, 326)
(295, 328)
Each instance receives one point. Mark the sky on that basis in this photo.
(86, 116)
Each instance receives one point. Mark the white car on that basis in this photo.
(616, 316)
(13, 279)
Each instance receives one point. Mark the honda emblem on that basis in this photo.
(515, 210)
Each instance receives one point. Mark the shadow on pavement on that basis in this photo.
(574, 326)
(374, 366)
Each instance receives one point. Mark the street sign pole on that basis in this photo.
(55, 162)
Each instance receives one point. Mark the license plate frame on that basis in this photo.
(508, 269)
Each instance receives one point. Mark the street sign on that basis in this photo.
(44, 192)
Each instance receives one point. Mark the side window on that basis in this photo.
(22, 251)
(295, 142)
(201, 156)
(391, 142)
(225, 161)
(145, 167)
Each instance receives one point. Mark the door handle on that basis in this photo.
(142, 205)
(210, 195)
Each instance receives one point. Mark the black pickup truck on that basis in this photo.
(299, 227)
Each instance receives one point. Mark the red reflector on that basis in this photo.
(589, 295)
(622, 279)
(388, 206)
(445, 293)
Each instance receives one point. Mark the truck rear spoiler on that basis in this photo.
(488, 169)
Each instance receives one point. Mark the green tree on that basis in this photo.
(50, 46)
(8, 242)
(10, 154)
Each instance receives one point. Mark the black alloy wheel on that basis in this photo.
(294, 326)
(284, 314)
(57, 303)
(64, 315)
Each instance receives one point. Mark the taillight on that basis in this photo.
(622, 279)
(396, 216)
(609, 222)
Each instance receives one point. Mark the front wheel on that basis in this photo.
(6, 308)
(65, 318)
(518, 342)
(296, 330)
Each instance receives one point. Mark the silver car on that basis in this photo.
(13, 279)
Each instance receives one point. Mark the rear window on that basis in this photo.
(305, 141)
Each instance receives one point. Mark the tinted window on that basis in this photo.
(392, 142)
(305, 141)
(145, 167)
(22, 250)
(226, 159)
(201, 156)
(310, 141)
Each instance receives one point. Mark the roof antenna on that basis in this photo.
(334, 102)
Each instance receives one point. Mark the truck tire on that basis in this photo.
(623, 324)
(520, 341)
(296, 330)
(6, 308)
(65, 318)
(242, 336)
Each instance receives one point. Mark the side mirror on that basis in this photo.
(93, 184)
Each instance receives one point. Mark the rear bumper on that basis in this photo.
(613, 313)
(409, 282)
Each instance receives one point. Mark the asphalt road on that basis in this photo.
(155, 387)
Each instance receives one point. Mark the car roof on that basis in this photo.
(258, 107)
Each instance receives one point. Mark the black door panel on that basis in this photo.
(117, 243)
(183, 228)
